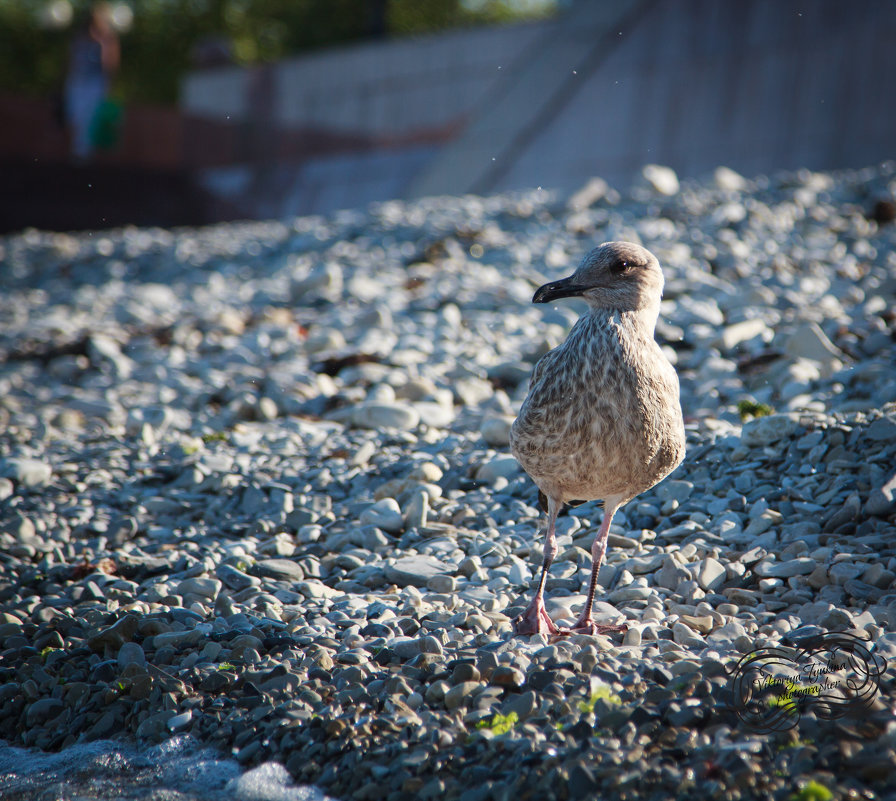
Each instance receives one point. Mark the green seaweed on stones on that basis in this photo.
(602, 693)
(500, 724)
(749, 410)
(812, 791)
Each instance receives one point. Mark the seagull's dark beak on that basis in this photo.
(566, 288)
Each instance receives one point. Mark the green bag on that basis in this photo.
(105, 125)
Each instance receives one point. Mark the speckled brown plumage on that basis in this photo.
(602, 418)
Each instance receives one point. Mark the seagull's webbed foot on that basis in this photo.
(535, 620)
(586, 625)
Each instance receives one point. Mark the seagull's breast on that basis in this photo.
(602, 417)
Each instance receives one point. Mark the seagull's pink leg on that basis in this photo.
(535, 619)
(585, 624)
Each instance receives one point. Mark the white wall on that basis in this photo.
(377, 89)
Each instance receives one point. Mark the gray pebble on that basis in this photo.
(131, 653)
(384, 514)
(415, 570)
(29, 473)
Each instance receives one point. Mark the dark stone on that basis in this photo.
(278, 642)
(862, 591)
(582, 782)
(386, 656)
(684, 715)
(376, 630)
(883, 211)
(44, 709)
(613, 717)
(580, 731)
(319, 673)
(376, 609)
(539, 679)
(104, 671)
(712, 667)
(794, 637)
(479, 793)
(278, 569)
(660, 675)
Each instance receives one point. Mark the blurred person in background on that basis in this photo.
(93, 61)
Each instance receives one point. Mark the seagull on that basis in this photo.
(602, 419)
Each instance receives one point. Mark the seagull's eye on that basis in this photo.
(619, 267)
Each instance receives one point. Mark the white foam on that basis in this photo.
(271, 782)
(105, 769)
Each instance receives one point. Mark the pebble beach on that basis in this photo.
(256, 491)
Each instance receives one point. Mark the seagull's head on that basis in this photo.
(616, 275)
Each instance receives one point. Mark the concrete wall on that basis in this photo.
(757, 85)
(389, 89)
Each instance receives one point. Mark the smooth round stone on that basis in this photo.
(711, 574)
(43, 709)
(671, 574)
(384, 514)
(181, 721)
(700, 623)
(507, 676)
(131, 653)
(267, 410)
(442, 583)
(630, 594)
(808, 341)
(26, 472)
(498, 467)
(638, 565)
(433, 414)
(278, 569)
(766, 430)
(496, 431)
(523, 704)
(461, 694)
(20, 528)
(660, 178)
(206, 587)
(882, 430)
(154, 727)
(409, 647)
(744, 331)
(377, 414)
(685, 635)
(427, 472)
(323, 279)
(842, 572)
(519, 574)
(235, 579)
(632, 637)
(727, 633)
(415, 570)
(675, 489)
(729, 180)
(800, 566)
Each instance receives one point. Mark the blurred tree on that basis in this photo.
(163, 41)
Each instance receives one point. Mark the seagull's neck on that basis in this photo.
(639, 321)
